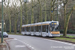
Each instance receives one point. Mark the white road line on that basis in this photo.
(60, 42)
(3, 48)
(14, 39)
(32, 48)
(18, 46)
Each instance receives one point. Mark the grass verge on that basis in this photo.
(14, 33)
(64, 39)
(70, 36)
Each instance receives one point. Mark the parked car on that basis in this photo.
(4, 34)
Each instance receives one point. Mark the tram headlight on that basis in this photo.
(55, 23)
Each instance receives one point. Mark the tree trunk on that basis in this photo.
(21, 15)
(9, 21)
(26, 14)
(40, 13)
(51, 10)
(66, 22)
(15, 26)
(32, 15)
(45, 11)
(65, 2)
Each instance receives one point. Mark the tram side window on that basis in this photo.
(47, 28)
(32, 28)
(43, 28)
(27, 28)
(23, 29)
(36, 28)
(39, 28)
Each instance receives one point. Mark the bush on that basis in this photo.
(12, 31)
(61, 31)
(69, 31)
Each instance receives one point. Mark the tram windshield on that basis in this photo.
(53, 26)
(53, 29)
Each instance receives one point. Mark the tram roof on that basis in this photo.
(38, 24)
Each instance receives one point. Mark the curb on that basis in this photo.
(8, 47)
(3, 44)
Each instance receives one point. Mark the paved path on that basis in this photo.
(3, 46)
(36, 43)
(14, 44)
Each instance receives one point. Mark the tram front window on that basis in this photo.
(53, 26)
(54, 29)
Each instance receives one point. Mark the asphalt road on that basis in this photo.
(37, 43)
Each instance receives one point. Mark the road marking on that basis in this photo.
(17, 46)
(14, 39)
(32, 48)
(60, 42)
(3, 48)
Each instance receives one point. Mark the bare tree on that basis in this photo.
(52, 3)
(40, 11)
(9, 15)
(32, 15)
(20, 14)
(45, 11)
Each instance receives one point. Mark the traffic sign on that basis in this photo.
(51, 11)
(0, 25)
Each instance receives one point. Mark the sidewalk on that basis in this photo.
(14, 44)
(3, 46)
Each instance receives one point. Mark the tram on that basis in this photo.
(48, 28)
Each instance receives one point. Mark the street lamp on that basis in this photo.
(1, 1)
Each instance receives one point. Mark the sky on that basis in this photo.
(13, 2)
(18, 3)
(0, 0)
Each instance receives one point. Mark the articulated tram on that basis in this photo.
(48, 28)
